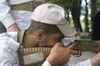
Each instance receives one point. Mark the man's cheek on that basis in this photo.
(51, 44)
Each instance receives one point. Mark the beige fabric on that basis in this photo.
(13, 2)
(20, 37)
(54, 15)
(30, 6)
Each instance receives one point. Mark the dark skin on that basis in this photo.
(39, 38)
(59, 55)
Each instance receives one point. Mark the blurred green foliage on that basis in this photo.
(69, 4)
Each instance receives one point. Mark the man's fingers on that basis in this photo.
(74, 52)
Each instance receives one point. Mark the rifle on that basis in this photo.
(37, 55)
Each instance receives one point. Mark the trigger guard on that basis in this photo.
(80, 53)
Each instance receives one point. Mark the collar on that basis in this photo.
(20, 36)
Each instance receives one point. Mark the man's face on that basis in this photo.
(46, 40)
(51, 40)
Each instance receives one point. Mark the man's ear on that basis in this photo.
(40, 34)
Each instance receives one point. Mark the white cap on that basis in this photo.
(54, 15)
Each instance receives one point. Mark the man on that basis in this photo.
(12, 14)
(48, 28)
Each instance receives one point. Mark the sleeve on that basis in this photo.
(46, 63)
(85, 63)
(5, 14)
(8, 52)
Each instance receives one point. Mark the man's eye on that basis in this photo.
(59, 40)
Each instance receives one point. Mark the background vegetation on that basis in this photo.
(79, 13)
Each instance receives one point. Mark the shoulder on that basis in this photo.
(9, 35)
(9, 40)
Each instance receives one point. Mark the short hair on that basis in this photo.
(48, 29)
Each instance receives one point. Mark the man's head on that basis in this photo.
(49, 26)
(42, 32)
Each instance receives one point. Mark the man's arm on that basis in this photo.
(95, 61)
(13, 28)
(8, 51)
(6, 17)
(61, 56)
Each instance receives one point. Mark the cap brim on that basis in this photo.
(67, 30)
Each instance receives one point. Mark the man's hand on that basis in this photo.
(13, 28)
(60, 55)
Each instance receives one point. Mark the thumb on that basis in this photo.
(59, 44)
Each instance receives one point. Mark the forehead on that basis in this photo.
(57, 35)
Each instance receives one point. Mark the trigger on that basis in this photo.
(80, 53)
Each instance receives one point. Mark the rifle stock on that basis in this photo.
(33, 56)
(37, 55)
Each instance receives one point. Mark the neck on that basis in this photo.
(29, 40)
(25, 39)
